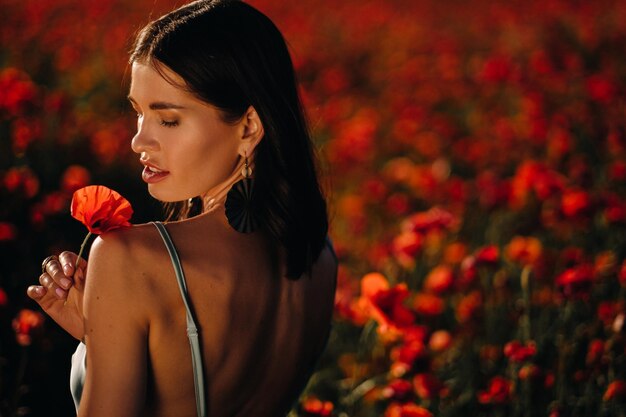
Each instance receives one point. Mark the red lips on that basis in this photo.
(151, 173)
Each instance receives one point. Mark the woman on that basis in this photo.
(220, 132)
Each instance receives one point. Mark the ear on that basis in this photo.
(252, 132)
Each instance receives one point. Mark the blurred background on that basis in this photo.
(474, 155)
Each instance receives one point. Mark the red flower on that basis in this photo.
(18, 91)
(496, 69)
(498, 392)
(575, 203)
(407, 353)
(517, 352)
(439, 280)
(440, 341)
(468, 272)
(25, 324)
(389, 304)
(435, 218)
(100, 209)
(24, 132)
(22, 179)
(406, 410)
(384, 304)
(595, 351)
(406, 246)
(7, 231)
(617, 171)
(615, 209)
(428, 304)
(75, 177)
(600, 88)
(529, 371)
(487, 255)
(607, 310)
(469, 306)
(535, 176)
(397, 204)
(426, 386)
(525, 250)
(315, 407)
(4, 299)
(615, 390)
(576, 281)
(398, 390)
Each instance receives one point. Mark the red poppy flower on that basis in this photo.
(427, 386)
(100, 209)
(315, 407)
(398, 390)
(487, 255)
(576, 281)
(517, 352)
(406, 410)
(428, 304)
(7, 231)
(439, 279)
(25, 324)
(75, 177)
(4, 298)
(498, 392)
(440, 340)
(616, 389)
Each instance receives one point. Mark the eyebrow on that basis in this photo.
(159, 105)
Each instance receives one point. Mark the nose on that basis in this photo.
(143, 141)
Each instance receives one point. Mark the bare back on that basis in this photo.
(260, 332)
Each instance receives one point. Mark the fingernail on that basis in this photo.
(65, 283)
(66, 269)
(60, 293)
(39, 290)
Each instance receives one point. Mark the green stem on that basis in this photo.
(82, 248)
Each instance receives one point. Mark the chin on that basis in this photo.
(163, 196)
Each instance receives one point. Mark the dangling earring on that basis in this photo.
(193, 209)
(239, 203)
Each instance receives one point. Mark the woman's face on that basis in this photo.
(184, 145)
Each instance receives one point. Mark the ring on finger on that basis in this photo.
(45, 262)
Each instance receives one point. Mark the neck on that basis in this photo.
(215, 197)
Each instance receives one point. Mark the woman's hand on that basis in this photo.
(60, 294)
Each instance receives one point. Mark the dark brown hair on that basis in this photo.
(232, 56)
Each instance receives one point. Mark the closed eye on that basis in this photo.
(169, 124)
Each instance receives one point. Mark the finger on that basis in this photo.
(36, 292)
(46, 281)
(54, 269)
(68, 261)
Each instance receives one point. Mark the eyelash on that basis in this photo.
(169, 124)
(164, 123)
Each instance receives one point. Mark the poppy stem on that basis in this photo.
(82, 248)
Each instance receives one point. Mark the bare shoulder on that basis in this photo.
(121, 249)
(117, 256)
(117, 263)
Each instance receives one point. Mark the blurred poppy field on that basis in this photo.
(474, 154)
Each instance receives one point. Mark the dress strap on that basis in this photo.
(192, 329)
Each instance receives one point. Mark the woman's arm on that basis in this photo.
(115, 332)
